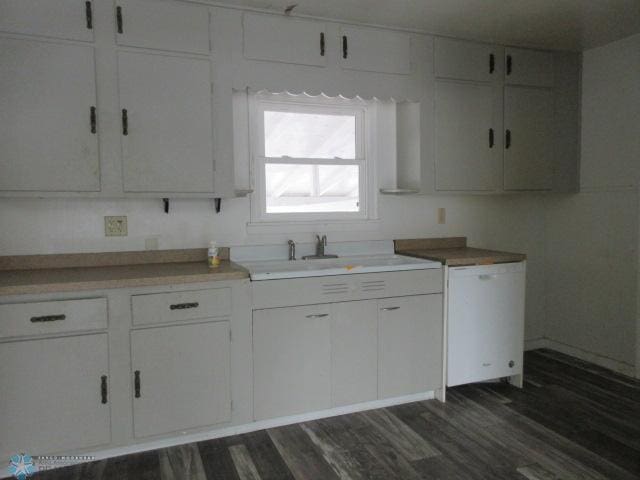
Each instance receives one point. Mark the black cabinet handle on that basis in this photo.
(322, 44)
(492, 63)
(509, 64)
(136, 383)
(507, 139)
(103, 388)
(48, 318)
(184, 306)
(345, 47)
(119, 18)
(88, 14)
(491, 140)
(125, 122)
(92, 119)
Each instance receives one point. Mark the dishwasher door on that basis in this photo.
(485, 322)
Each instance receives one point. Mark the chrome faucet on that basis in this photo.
(292, 249)
(321, 242)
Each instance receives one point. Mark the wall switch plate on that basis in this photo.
(115, 226)
(442, 216)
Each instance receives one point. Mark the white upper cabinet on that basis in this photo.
(48, 117)
(283, 39)
(466, 149)
(375, 50)
(529, 138)
(166, 114)
(460, 60)
(163, 24)
(67, 19)
(528, 67)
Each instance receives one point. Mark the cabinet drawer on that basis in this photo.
(178, 306)
(39, 318)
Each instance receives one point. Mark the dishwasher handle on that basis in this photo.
(486, 276)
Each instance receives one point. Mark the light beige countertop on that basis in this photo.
(454, 252)
(33, 274)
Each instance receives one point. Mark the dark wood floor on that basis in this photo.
(572, 420)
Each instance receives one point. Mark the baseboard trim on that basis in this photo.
(535, 343)
(597, 359)
(249, 427)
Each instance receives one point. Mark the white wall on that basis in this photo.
(592, 237)
(32, 226)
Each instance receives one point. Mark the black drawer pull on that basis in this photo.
(509, 64)
(103, 388)
(345, 47)
(491, 140)
(48, 318)
(184, 306)
(136, 383)
(507, 139)
(492, 63)
(322, 44)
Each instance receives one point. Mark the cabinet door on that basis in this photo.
(283, 39)
(168, 145)
(47, 101)
(354, 352)
(162, 24)
(528, 67)
(182, 378)
(467, 157)
(51, 398)
(528, 154)
(462, 60)
(291, 361)
(374, 50)
(68, 19)
(410, 345)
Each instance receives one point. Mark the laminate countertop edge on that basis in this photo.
(42, 281)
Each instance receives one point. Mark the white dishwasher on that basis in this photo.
(485, 334)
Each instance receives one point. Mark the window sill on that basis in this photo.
(311, 227)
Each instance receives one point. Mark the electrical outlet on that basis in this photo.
(115, 226)
(442, 216)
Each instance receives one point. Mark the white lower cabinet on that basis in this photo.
(291, 360)
(55, 395)
(409, 345)
(180, 377)
(321, 356)
(354, 352)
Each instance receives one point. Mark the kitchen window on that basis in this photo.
(311, 159)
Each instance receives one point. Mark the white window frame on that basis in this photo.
(364, 113)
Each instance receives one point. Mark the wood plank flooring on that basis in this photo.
(572, 420)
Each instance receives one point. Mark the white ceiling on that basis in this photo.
(552, 24)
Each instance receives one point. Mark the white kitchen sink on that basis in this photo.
(278, 269)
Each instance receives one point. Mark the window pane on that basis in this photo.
(309, 135)
(312, 188)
